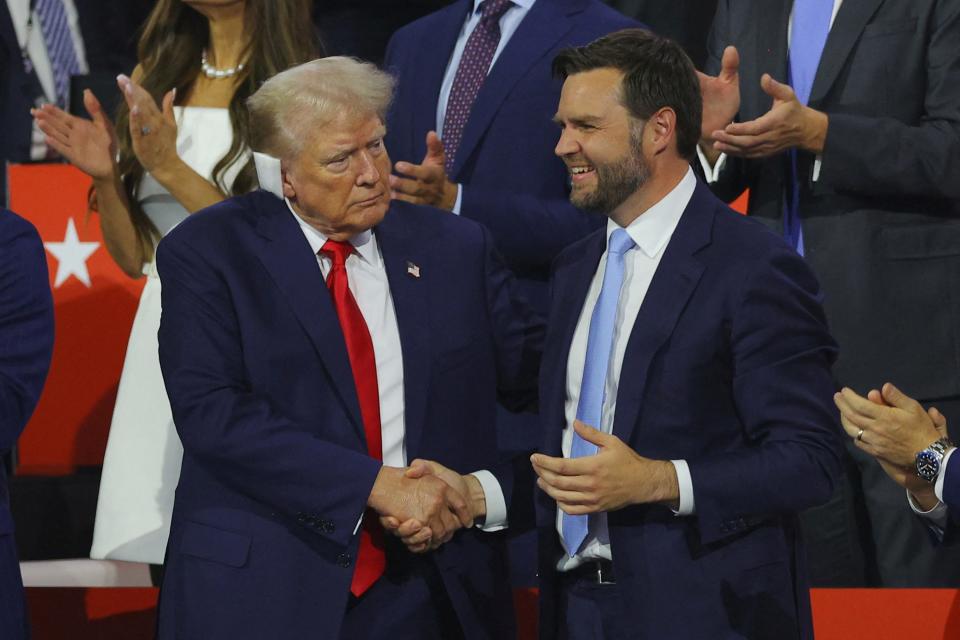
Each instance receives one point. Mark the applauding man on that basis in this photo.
(315, 338)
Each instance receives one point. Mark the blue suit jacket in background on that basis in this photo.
(275, 470)
(512, 182)
(26, 346)
(728, 368)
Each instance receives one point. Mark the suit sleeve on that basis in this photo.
(884, 156)
(783, 389)
(518, 332)
(530, 231)
(235, 433)
(26, 325)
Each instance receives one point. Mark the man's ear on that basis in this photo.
(288, 189)
(661, 129)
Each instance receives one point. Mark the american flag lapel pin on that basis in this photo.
(413, 270)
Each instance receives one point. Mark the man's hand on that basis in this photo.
(721, 100)
(425, 183)
(786, 125)
(418, 503)
(895, 426)
(616, 477)
(419, 538)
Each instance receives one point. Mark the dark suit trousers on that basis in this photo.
(867, 535)
(408, 602)
(593, 612)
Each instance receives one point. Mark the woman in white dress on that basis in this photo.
(180, 145)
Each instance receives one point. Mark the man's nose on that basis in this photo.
(367, 172)
(567, 144)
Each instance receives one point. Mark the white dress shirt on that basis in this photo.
(30, 39)
(651, 232)
(713, 173)
(367, 278)
(509, 22)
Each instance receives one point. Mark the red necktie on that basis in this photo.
(371, 559)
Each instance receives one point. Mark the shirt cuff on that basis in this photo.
(936, 518)
(456, 205)
(938, 486)
(711, 173)
(685, 483)
(817, 163)
(496, 518)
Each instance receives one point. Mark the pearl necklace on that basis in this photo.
(213, 72)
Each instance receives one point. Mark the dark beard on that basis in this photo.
(615, 182)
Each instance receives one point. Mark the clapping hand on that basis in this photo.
(89, 145)
(425, 183)
(153, 129)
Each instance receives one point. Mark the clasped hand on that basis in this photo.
(425, 504)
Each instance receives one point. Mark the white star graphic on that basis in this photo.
(71, 255)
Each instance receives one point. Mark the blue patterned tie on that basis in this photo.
(595, 366)
(60, 47)
(811, 25)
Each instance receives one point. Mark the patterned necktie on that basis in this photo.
(60, 46)
(595, 367)
(811, 25)
(474, 65)
(371, 559)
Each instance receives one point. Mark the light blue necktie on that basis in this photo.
(60, 47)
(811, 25)
(595, 366)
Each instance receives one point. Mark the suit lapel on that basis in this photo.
(673, 283)
(286, 255)
(844, 33)
(409, 293)
(570, 286)
(540, 29)
(432, 59)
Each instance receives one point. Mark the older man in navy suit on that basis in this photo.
(685, 387)
(26, 345)
(315, 340)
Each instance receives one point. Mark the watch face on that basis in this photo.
(928, 465)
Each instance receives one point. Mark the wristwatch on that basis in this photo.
(930, 459)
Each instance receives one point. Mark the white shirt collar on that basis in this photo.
(364, 243)
(652, 230)
(525, 4)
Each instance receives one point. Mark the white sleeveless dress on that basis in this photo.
(141, 465)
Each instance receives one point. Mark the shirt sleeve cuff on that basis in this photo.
(936, 518)
(496, 504)
(685, 483)
(456, 205)
(817, 163)
(711, 173)
(938, 486)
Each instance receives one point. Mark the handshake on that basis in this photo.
(426, 503)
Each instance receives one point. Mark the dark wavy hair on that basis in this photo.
(656, 74)
(281, 35)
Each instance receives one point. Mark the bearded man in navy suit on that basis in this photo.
(685, 391)
(317, 339)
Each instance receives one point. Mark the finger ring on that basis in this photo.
(144, 130)
(860, 436)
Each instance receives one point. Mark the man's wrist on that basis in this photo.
(450, 191)
(476, 498)
(815, 136)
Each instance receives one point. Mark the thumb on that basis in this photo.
(776, 90)
(167, 106)
(435, 152)
(419, 468)
(730, 63)
(590, 434)
(939, 421)
(896, 398)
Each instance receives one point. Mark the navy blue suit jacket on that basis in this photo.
(26, 345)
(275, 471)
(511, 180)
(728, 368)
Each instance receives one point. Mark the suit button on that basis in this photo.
(344, 560)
